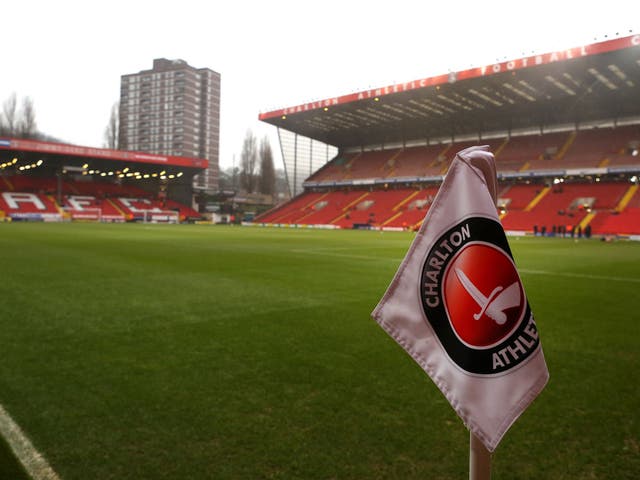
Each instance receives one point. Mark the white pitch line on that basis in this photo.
(348, 255)
(581, 275)
(33, 462)
(329, 253)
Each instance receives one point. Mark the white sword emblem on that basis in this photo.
(493, 305)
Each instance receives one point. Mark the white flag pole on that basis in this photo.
(479, 459)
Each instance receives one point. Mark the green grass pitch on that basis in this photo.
(205, 352)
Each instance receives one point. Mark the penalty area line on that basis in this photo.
(31, 459)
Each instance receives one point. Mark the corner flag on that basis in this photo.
(458, 307)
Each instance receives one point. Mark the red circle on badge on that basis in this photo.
(483, 296)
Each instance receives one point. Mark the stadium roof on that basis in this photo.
(582, 85)
(75, 156)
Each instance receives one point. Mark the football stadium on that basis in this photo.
(140, 342)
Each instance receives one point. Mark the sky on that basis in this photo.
(68, 55)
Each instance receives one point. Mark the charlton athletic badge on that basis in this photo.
(473, 299)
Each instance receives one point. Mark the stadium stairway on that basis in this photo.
(543, 193)
(345, 210)
(8, 184)
(330, 207)
(411, 212)
(626, 198)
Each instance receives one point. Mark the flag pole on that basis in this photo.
(479, 459)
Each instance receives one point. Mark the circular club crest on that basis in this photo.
(473, 298)
(483, 297)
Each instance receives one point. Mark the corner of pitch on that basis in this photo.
(436, 262)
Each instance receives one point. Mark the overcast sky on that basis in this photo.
(68, 56)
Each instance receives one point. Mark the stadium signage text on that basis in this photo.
(473, 299)
(531, 61)
(14, 199)
(536, 60)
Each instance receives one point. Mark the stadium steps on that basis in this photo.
(302, 210)
(567, 144)
(417, 225)
(72, 186)
(604, 163)
(55, 204)
(405, 201)
(299, 220)
(279, 211)
(118, 209)
(345, 210)
(537, 199)
(501, 147)
(315, 200)
(392, 163)
(287, 212)
(443, 154)
(626, 198)
(391, 219)
(586, 220)
(7, 183)
(349, 165)
(525, 167)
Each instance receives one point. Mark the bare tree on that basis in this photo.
(267, 181)
(26, 120)
(248, 162)
(9, 109)
(111, 133)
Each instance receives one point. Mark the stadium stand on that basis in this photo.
(564, 128)
(372, 209)
(29, 206)
(333, 207)
(524, 205)
(42, 180)
(368, 164)
(26, 197)
(414, 161)
(409, 213)
(291, 212)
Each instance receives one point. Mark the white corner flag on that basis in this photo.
(458, 307)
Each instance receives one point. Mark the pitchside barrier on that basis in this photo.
(160, 216)
(91, 214)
